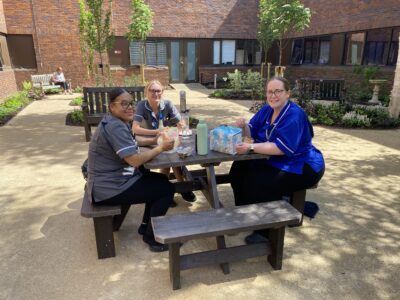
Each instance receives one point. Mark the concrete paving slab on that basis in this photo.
(47, 250)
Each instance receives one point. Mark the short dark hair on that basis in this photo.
(286, 84)
(115, 93)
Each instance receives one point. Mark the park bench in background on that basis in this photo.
(95, 104)
(323, 89)
(43, 81)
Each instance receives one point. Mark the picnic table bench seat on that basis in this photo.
(175, 229)
(106, 220)
(95, 104)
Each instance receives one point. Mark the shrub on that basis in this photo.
(78, 89)
(236, 81)
(353, 119)
(76, 101)
(12, 105)
(218, 94)
(255, 82)
(133, 80)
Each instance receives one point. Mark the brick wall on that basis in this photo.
(196, 19)
(8, 85)
(150, 73)
(3, 28)
(350, 15)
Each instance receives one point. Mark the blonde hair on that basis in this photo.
(147, 88)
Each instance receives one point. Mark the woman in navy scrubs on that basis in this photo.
(282, 130)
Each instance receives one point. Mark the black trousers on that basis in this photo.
(153, 189)
(253, 181)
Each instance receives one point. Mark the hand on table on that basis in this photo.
(242, 148)
(167, 143)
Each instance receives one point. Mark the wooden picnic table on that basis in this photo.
(204, 179)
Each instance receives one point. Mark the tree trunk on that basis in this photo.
(394, 104)
(280, 51)
(102, 69)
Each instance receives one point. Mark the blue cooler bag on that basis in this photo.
(225, 138)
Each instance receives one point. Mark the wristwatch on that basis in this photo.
(251, 150)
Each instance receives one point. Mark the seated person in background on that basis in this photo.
(153, 113)
(59, 79)
(115, 172)
(282, 130)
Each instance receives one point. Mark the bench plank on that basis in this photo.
(195, 225)
(89, 210)
(95, 104)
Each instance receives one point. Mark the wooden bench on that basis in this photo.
(323, 89)
(95, 104)
(296, 199)
(43, 81)
(106, 219)
(175, 229)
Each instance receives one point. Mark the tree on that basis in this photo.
(140, 27)
(95, 31)
(286, 16)
(394, 104)
(265, 33)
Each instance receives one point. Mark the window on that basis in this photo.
(297, 52)
(22, 51)
(216, 52)
(316, 50)
(228, 52)
(4, 55)
(247, 52)
(394, 47)
(377, 46)
(156, 53)
(224, 52)
(355, 45)
(311, 51)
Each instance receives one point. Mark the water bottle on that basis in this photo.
(202, 138)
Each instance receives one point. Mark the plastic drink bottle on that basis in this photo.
(202, 138)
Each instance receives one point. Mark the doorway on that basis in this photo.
(183, 61)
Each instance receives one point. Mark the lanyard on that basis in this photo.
(154, 121)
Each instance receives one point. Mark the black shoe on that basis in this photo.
(154, 246)
(255, 238)
(189, 196)
(173, 204)
(142, 228)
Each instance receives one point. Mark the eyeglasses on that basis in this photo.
(126, 104)
(155, 91)
(277, 93)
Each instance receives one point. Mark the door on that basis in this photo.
(183, 61)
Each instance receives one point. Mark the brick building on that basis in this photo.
(193, 40)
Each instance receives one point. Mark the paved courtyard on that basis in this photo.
(47, 250)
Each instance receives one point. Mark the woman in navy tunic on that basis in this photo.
(281, 129)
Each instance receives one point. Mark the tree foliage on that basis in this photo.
(281, 17)
(265, 31)
(141, 21)
(140, 27)
(95, 30)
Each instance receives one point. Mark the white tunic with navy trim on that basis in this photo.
(292, 133)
